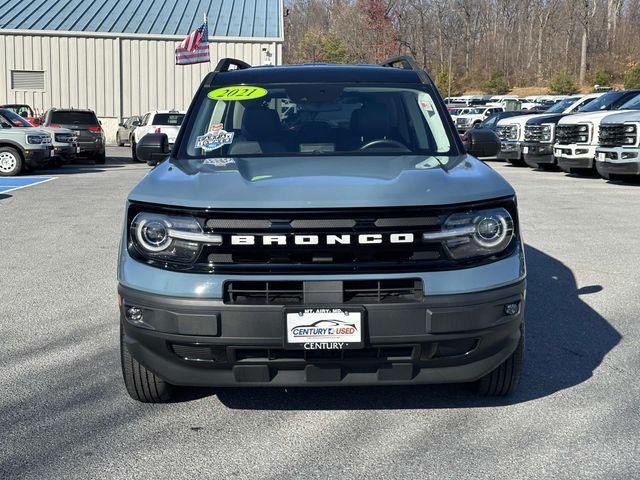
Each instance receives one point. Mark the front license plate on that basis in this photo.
(77, 149)
(52, 153)
(525, 149)
(323, 328)
(602, 157)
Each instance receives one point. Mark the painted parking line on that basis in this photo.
(15, 183)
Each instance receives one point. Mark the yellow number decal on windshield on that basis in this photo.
(237, 92)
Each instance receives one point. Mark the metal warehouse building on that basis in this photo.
(117, 56)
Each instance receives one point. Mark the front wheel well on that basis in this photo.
(17, 148)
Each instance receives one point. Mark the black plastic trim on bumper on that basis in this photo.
(569, 164)
(622, 168)
(37, 158)
(538, 154)
(477, 317)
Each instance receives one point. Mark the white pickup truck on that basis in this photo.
(577, 135)
(158, 121)
(618, 151)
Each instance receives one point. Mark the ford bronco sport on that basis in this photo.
(320, 225)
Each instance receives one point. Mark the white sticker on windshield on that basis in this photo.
(215, 138)
(218, 162)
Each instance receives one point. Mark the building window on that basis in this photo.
(27, 80)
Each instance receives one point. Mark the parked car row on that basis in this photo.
(64, 135)
(579, 135)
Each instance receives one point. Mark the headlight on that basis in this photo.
(630, 135)
(168, 237)
(475, 234)
(583, 133)
(512, 132)
(547, 132)
(34, 139)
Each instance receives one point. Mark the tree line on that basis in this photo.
(489, 45)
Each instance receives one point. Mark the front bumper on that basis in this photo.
(618, 161)
(536, 154)
(205, 342)
(572, 157)
(510, 150)
(38, 157)
(64, 151)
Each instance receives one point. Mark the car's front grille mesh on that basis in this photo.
(612, 135)
(533, 133)
(567, 134)
(350, 292)
(317, 241)
(243, 355)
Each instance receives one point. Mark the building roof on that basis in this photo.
(227, 18)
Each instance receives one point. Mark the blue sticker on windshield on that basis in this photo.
(214, 138)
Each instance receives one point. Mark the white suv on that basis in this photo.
(158, 121)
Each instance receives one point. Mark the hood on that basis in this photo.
(623, 116)
(587, 117)
(24, 131)
(320, 182)
(547, 118)
(52, 131)
(517, 120)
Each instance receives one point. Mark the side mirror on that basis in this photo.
(481, 142)
(135, 123)
(153, 148)
(121, 124)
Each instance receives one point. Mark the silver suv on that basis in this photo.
(22, 146)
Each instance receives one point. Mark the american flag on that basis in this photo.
(194, 48)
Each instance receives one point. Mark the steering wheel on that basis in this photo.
(384, 141)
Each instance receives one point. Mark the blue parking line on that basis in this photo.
(14, 183)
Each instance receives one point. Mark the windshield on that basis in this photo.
(22, 110)
(477, 111)
(633, 104)
(315, 119)
(74, 117)
(561, 106)
(8, 118)
(608, 101)
(174, 119)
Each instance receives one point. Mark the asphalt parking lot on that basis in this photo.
(64, 412)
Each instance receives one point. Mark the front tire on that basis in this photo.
(100, 159)
(11, 163)
(134, 154)
(142, 385)
(517, 162)
(505, 379)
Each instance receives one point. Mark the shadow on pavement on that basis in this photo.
(566, 341)
(4, 196)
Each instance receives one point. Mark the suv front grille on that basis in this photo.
(347, 241)
(614, 135)
(348, 292)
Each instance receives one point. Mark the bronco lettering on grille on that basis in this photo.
(311, 240)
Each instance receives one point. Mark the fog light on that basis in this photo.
(511, 308)
(627, 155)
(134, 314)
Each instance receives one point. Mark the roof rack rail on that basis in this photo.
(407, 63)
(225, 63)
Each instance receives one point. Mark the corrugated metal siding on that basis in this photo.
(227, 18)
(85, 72)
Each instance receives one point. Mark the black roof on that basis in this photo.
(317, 72)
